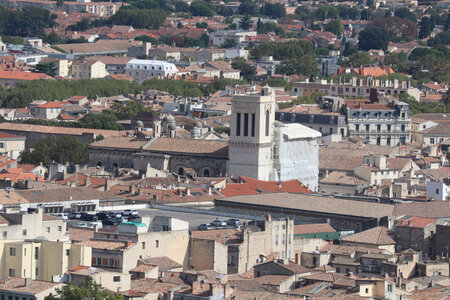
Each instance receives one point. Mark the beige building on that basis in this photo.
(88, 69)
(34, 245)
(157, 236)
(376, 237)
(113, 281)
(27, 289)
(11, 145)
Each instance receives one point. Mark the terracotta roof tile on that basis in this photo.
(313, 228)
(375, 236)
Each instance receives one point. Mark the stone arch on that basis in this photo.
(99, 164)
(206, 172)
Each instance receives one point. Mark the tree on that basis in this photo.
(335, 27)
(349, 49)
(201, 25)
(103, 121)
(181, 6)
(373, 37)
(405, 13)
(245, 23)
(86, 290)
(139, 18)
(397, 28)
(248, 71)
(248, 8)
(398, 61)
(229, 43)
(274, 11)
(48, 68)
(359, 59)
(63, 150)
(426, 27)
(201, 9)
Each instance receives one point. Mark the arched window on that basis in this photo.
(267, 122)
(115, 166)
(99, 164)
(206, 173)
(180, 171)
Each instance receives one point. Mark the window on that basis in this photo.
(47, 229)
(347, 270)
(143, 245)
(389, 287)
(24, 232)
(116, 278)
(157, 244)
(367, 128)
(357, 127)
(437, 191)
(403, 128)
(24, 251)
(5, 233)
(245, 124)
(59, 228)
(12, 251)
(253, 124)
(99, 261)
(338, 270)
(367, 290)
(37, 272)
(283, 241)
(111, 262)
(432, 141)
(36, 252)
(331, 130)
(12, 272)
(67, 252)
(267, 122)
(276, 240)
(378, 128)
(238, 124)
(389, 128)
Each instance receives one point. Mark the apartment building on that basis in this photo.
(27, 289)
(89, 69)
(120, 249)
(34, 245)
(239, 250)
(11, 145)
(380, 123)
(355, 87)
(141, 69)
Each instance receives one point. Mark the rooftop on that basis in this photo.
(375, 236)
(313, 228)
(17, 285)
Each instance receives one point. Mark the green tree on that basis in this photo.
(397, 28)
(139, 18)
(426, 27)
(201, 9)
(405, 13)
(87, 290)
(248, 8)
(248, 71)
(229, 43)
(349, 49)
(274, 11)
(245, 23)
(373, 37)
(359, 59)
(48, 68)
(103, 121)
(63, 150)
(398, 61)
(335, 27)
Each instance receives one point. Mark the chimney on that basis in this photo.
(269, 217)
(28, 281)
(88, 181)
(209, 190)
(188, 191)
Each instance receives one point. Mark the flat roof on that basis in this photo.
(312, 203)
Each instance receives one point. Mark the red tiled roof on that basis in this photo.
(20, 75)
(253, 186)
(415, 222)
(313, 228)
(4, 135)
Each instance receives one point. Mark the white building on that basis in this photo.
(264, 149)
(141, 69)
(438, 191)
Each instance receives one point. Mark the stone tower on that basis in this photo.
(251, 136)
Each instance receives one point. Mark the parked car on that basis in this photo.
(129, 212)
(113, 214)
(61, 215)
(110, 222)
(88, 217)
(204, 227)
(233, 222)
(218, 223)
(74, 216)
(133, 217)
(102, 215)
(81, 225)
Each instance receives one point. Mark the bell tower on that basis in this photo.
(251, 134)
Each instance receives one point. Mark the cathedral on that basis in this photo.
(258, 146)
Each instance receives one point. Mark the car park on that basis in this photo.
(218, 223)
(204, 227)
(116, 215)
